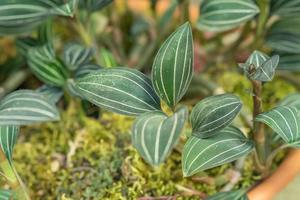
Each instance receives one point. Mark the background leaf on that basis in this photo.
(290, 62)
(172, 69)
(154, 134)
(122, 90)
(26, 107)
(76, 55)
(214, 113)
(21, 16)
(221, 15)
(285, 7)
(285, 121)
(284, 35)
(201, 154)
(44, 64)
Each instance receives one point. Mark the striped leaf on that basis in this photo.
(284, 35)
(122, 90)
(44, 64)
(76, 55)
(285, 121)
(154, 134)
(172, 69)
(257, 58)
(266, 71)
(260, 67)
(26, 107)
(291, 100)
(45, 32)
(214, 113)
(8, 138)
(93, 5)
(221, 15)
(285, 8)
(290, 62)
(232, 195)
(50, 92)
(201, 154)
(21, 16)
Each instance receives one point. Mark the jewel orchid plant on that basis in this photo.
(214, 140)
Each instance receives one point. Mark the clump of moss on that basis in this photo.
(86, 158)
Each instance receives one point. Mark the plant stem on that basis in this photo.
(258, 127)
(12, 177)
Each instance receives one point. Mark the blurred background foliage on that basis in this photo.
(91, 157)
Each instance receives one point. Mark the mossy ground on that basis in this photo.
(81, 157)
(84, 158)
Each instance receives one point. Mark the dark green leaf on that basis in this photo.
(122, 90)
(26, 107)
(172, 69)
(285, 121)
(285, 8)
(214, 113)
(21, 16)
(284, 35)
(201, 154)
(154, 134)
(8, 138)
(290, 62)
(221, 15)
(46, 66)
(45, 32)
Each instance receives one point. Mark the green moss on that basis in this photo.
(85, 158)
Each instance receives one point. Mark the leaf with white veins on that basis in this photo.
(226, 146)
(214, 113)
(154, 134)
